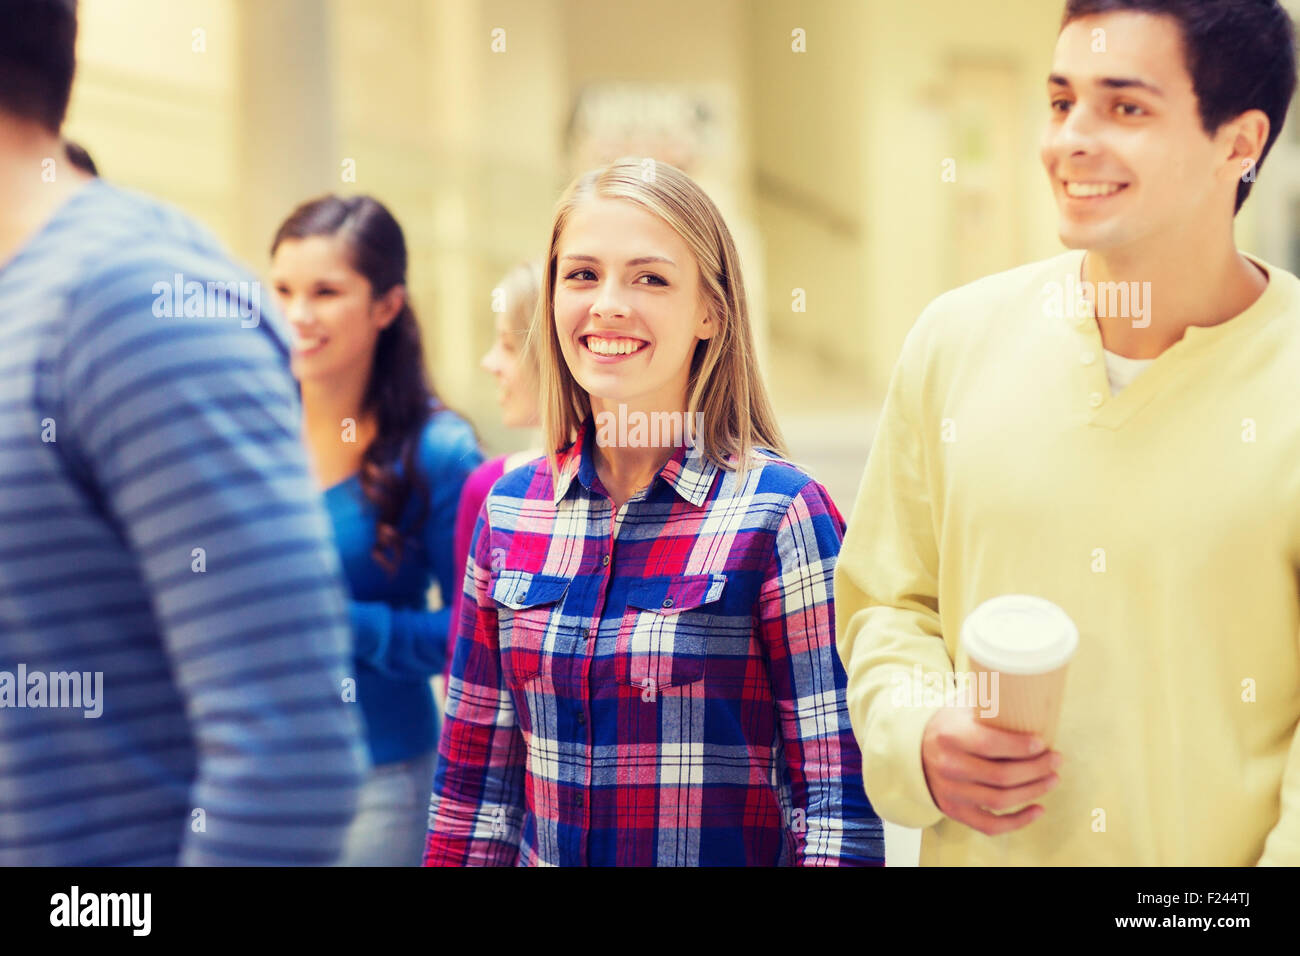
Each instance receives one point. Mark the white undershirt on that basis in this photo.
(1121, 370)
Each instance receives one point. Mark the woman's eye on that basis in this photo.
(582, 275)
(1130, 109)
(325, 291)
(1060, 106)
(655, 280)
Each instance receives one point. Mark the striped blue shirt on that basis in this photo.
(175, 680)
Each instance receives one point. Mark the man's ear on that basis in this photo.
(1246, 136)
(388, 306)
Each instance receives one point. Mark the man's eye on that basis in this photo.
(325, 291)
(1060, 106)
(1130, 109)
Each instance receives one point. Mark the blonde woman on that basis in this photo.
(514, 366)
(646, 672)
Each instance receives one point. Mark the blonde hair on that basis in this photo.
(725, 385)
(521, 286)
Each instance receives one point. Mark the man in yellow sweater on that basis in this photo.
(1134, 459)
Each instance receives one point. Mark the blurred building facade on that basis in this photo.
(868, 154)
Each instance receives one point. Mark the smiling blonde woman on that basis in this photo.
(646, 672)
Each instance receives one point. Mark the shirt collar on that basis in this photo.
(689, 472)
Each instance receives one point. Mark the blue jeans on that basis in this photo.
(392, 816)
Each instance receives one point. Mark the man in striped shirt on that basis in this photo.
(174, 649)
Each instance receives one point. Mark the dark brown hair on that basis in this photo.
(397, 392)
(38, 40)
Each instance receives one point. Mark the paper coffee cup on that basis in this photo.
(1028, 643)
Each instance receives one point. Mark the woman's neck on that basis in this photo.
(628, 453)
(327, 404)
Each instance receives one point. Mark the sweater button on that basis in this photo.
(604, 562)
(1087, 358)
(668, 602)
(1095, 399)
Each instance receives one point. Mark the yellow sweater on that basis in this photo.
(1165, 520)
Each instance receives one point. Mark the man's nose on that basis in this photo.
(1077, 134)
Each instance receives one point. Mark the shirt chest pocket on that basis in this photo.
(528, 621)
(662, 641)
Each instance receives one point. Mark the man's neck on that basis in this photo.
(35, 180)
(1204, 282)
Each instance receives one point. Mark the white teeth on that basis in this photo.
(1090, 190)
(306, 345)
(613, 346)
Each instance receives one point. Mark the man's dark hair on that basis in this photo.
(38, 40)
(78, 156)
(1240, 54)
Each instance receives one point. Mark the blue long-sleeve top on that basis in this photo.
(399, 643)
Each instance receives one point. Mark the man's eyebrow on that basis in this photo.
(1129, 83)
(1112, 83)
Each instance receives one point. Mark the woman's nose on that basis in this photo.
(608, 301)
(296, 311)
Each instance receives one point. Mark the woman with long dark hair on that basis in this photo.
(391, 460)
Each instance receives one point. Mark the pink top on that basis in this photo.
(472, 496)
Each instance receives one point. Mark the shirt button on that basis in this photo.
(582, 718)
(1095, 399)
(1087, 358)
(577, 800)
(591, 634)
(604, 562)
(668, 602)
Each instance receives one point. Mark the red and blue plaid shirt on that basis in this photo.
(656, 686)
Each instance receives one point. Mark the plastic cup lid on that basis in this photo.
(1020, 634)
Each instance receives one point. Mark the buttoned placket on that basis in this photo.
(1105, 409)
(609, 520)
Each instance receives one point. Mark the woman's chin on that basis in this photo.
(605, 388)
(310, 372)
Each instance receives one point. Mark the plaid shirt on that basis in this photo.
(654, 687)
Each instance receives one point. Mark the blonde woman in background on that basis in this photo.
(514, 366)
(645, 672)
